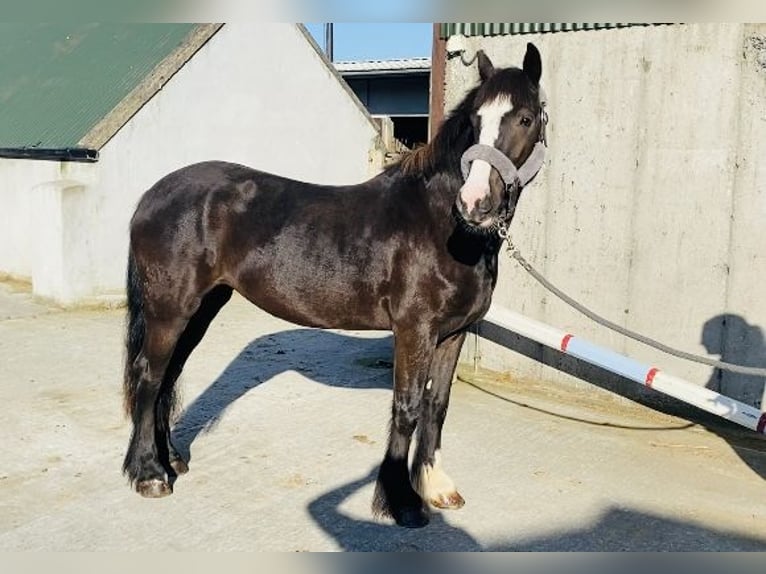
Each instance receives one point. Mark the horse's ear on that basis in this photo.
(533, 65)
(486, 69)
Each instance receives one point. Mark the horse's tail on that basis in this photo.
(134, 336)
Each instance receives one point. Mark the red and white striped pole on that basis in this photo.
(614, 362)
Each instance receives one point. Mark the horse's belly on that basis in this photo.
(307, 303)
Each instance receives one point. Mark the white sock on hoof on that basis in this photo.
(433, 482)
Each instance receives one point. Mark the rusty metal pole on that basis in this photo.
(438, 74)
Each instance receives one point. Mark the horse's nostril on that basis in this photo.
(484, 206)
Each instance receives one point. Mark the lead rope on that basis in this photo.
(515, 254)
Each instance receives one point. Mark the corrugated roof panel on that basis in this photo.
(395, 65)
(58, 80)
(514, 28)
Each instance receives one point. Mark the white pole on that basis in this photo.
(614, 362)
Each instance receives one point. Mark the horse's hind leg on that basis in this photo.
(428, 477)
(211, 304)
(143, 463)
(394, 495)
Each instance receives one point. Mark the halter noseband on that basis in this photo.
(510, 175)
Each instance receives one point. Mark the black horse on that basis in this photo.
(413, 250)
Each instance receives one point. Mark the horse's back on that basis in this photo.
(312, 254)
(187, 186)
(209, 202)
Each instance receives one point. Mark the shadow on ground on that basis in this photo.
(618, 529)
(342, 360)
(327, 357)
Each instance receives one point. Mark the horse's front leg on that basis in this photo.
(428, 476)
(394, 495)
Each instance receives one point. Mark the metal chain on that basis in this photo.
(515, 254)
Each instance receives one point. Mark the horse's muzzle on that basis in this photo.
(480, 214)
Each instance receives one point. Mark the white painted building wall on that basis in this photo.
(651, 208)
(19, 184)
(257, 94)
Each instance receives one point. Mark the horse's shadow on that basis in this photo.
(324, 356)
(618, 529)
(358, 535)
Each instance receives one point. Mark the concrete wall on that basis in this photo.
(650, 207)
(260, 95)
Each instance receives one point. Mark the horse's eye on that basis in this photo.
(526, 121)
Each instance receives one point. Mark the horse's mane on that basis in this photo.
(445, 149)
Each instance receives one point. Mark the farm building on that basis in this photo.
(395, 89)
(650, 207)
(91, 115)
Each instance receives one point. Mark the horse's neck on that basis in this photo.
(453, 138)
(444, 186)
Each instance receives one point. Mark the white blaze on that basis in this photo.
(476, 186)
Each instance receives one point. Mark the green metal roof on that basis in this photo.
(57, 81)
(513, 28)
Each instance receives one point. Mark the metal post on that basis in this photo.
(328, 40)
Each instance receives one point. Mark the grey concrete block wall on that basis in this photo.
(651, 207)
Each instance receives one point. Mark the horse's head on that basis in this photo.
(507, 115)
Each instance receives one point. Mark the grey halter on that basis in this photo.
(502, 163)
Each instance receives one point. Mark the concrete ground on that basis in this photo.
(285, 427)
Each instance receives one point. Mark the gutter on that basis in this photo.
(387, 72)
(74, 154)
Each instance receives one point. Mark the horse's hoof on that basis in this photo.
(179, 466)
(154, 488)
(449, 501)
(412, 517)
